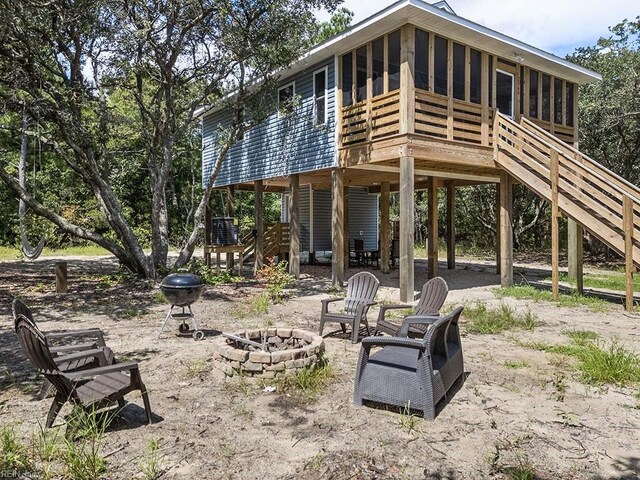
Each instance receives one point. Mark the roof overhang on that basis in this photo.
(440, 21)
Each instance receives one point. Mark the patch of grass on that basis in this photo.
(89, 250)
(598, 363)
(515, 365)
(559, 386)
(309, 382)
(152, 464)
(509, 460)
(14, 455)
(46, 444)
(581, 336)
(485, 320)
(196, 368)
(83, 443)
(316, 462)
(257, 305)
(159, 297)
(408, 420)
(605, 280)
(9, 253)
(528, 292)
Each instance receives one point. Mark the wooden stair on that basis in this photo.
(275, 243)
(602, 202)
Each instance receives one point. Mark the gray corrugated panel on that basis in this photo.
(304, 218)
(363, 217)
(278, 146)
(321, 220)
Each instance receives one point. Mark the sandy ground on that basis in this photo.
(210, 427)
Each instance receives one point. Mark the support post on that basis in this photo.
(432, 227)
(294, 225)
(451, 225)
(555, 233)
(498, 261)
(337, 227)
(628, 250)
(575, 253)
(231, 212)
(506, 230)
(61, 277)
(345, 223)
(406, 229)
(385, 237)
(258, 252)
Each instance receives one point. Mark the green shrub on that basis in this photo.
(207, 274)
(277, 278)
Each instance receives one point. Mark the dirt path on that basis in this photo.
(518, 406)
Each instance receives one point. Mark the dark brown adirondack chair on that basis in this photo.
(74, 344)
(361, 294)
(92, 389)
(432, 297)
(407, 372)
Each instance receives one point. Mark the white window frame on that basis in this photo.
(287, 85)
(326, 96)
(513, 91)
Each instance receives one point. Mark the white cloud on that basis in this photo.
(557, 26)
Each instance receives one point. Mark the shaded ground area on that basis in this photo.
(518, 405)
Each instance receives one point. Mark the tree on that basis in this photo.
(339, 22)
(68, 60)
(610, 109)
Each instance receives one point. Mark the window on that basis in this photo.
(546, 97)
(361, 74)
(347, 80)
(504, 92)
(377, 50)
(394, 60)
(459, 61)
(533, 93)
(422, 59)
(320, 97)
(557, 101)
(569, 104)
(286, 98)
(440, 56)
(475, 77)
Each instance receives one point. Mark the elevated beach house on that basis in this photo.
(416, 97)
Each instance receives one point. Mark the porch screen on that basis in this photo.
(422, 59)
(557, 101)
(394, 60)
(533, 94)
(347, 80)
(569, 104)
(475, 76)
(459, 61)
(377, 50)
(546, 97)
(361, 74)
(440, 56)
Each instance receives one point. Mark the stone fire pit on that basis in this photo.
(286, 350)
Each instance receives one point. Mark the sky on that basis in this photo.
(556, 26)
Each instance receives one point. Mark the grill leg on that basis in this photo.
(166, 319)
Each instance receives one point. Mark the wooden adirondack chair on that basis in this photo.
(91, 389)
(432, 297)
(361, 294)
(411, 372)
(73, 344)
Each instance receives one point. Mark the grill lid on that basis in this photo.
(182, 280)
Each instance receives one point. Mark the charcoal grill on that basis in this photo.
(181, 290)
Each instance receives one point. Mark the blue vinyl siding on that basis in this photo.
(278, 146)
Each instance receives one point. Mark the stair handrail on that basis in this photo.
(572, 160)
(591, 161)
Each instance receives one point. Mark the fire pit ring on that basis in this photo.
(269, 353)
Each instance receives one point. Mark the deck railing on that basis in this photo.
(436, 116)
